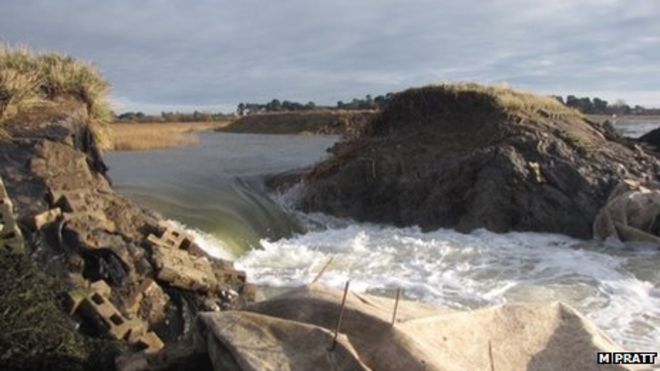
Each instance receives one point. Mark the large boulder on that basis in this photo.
(651, 139)
(469, 156)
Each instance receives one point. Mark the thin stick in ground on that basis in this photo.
(341, 317)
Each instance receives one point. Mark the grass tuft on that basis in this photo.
(29, 79)
(35, 332)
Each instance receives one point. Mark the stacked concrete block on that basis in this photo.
(95, 302)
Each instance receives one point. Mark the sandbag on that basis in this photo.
(257, 342)
(630, 214)
(510, 337)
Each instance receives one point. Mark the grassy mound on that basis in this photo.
(35, 333)
(30, 79)
(456, 104)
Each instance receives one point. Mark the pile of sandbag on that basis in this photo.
(631, 213)
(294, 331)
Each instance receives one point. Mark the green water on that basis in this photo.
(217, 186)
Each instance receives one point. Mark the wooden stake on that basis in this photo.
(323, 269)
(396, 304)
(341, 317)
(490, 355)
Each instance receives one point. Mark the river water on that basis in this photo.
(216, 189)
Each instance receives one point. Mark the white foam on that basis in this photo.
(473, 270)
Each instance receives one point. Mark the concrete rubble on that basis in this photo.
(95, 302)
(132, 277)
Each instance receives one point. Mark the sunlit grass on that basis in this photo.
(147, 136)
(29, 78)
(501, 97)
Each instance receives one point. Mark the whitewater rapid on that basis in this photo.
(615, 285)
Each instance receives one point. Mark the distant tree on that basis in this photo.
(274, 105)
(621, 107)
(599, 105)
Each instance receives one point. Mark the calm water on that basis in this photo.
(635, 129)
(216, 189)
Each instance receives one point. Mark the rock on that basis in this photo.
(652, 139)
(468, 157)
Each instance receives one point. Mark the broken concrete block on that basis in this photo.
(171, 238)
(71, 201)
(47, 217)
(183, 270)
(149, 302)
(149, 342)
(102, 288)
(95, 301)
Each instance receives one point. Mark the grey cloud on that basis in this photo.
(211, 53)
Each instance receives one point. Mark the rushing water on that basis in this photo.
(216, 189)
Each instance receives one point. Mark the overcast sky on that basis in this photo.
(206, 54)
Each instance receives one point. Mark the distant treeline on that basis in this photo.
(584, 104)
(275, 105)
(599, 106)
(195, 116)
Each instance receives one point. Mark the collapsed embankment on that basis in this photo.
(89, 264)
(470, 156)
(315, 122)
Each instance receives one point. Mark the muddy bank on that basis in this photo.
(316, 122)
(468, 157)
(114, 270)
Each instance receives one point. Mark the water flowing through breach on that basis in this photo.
(215, 188)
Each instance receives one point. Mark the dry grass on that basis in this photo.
(147, 136)
(29, 79)
(513, 100)
(502, 97)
